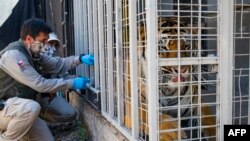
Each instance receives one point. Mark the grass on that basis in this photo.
(81, 131)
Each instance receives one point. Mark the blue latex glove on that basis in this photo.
(87, 59)
(80, 82)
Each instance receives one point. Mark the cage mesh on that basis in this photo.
(241, 35)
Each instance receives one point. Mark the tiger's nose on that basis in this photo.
(178, 79)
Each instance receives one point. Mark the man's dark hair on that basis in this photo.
(33, 27)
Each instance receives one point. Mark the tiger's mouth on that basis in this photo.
(176, 82)
(171, 78)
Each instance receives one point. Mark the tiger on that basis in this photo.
(168, 48)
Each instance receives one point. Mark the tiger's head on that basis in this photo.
(170, 45)
(174, 45)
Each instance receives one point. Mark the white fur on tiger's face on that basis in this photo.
(170, 76)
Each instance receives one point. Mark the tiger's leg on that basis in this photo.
(165, 124)
(127, 105)
(127, 97)
(127, 117)
(208, 120)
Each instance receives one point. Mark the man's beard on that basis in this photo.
(35, 48)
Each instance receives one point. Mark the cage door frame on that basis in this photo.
(226, 61)
(133, 68)
(101, 52)
(151, 19)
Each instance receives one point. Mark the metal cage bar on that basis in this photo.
(110, 57)
(188, 61)
(95, 43)
(151, 18)
(82, 44)
(133, 68)
(90, 35)
(194, 12)
(85, 35)
(90, 26)
(179, 67)
(120, 112)
(102, 40)
(101, 53)
(241, 62)
(226, 58)
(78, 12)
(199, 70)
(77, 32)
(114, 60)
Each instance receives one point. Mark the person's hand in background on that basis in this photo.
(80, 82)
(87, 59)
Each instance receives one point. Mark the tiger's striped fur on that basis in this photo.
(168, 42)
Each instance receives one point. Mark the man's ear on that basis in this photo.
(28, 40)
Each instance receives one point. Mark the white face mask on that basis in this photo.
(49, 50)
(35, 48)
(53, 49)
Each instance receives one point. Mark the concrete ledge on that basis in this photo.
(99, 128)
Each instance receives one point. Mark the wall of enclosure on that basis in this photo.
(166, 69)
